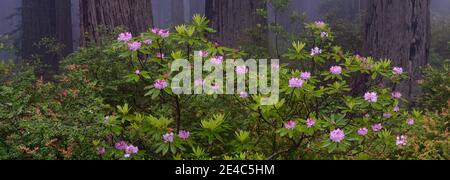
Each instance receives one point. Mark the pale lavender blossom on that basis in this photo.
(134, 46)
(240, 70)
(310, 122)
(336, 70)
(324, 35)
(371, 97)
(410, 122)
(124, 37)
(160, 84)
(199, 82)
(296, 83)
(397, 95)
(161, 32)
(130, 150)
(363, 131)
(243, 94)
(305, 75)
(168, 138)
(377, 127)
(337, 136)
(217, 60)
(316, 51)
(137, 72)
(203, 54)
(121, 145)
(387, 115)
(396, 109)
(160, 55)
(397, 70)
(184, 134)
(101, 151)
(401, 140)
(320, 24)
(290, 125)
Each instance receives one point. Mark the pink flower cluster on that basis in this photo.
(161, 32)
(160, 84)
(217, 60)
(168, 138)
(305, 76)
(397, 71)
(184, 134)
(397, 95)
(371, 97)
(363, 131)
(124, 37)
(337, 136)
(377, 127)
(290, 125)
(128, 148)
(336, 70)
(134, 46)
(401, 140)
(316, 51)
(310, 122)
(296, 83)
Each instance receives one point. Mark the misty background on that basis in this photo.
(164, 16)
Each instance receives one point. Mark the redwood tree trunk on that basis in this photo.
(46, 19)
(400, 30)
(136, 15)
(231, 19)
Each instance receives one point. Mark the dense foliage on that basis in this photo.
(114, 101)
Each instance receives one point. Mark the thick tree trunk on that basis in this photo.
(400, 30)
(231, 19)
(46, 19)
(136, 15)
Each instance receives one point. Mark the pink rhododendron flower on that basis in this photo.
(410, 122)
(398, 70)
(337, 70)
(290, 125)
(396, 109)
(240, 70)
(305, 75)
(401, 140)
(324, 35)
(168, 138)
(337, 136)
(320, 24)
(101, 151)
(130, 150)
(310, 122)
(203, 54)
(159, 55)
(137, 72)
(134, 46)
(316, 51)
(125, 37)
(363, 131)
(184, 134)
(121, 145)
(199, 82)
(275, 66)
(377, 127)
(243, 94)
(217, 60)
(387, 115)
(296, 83)
(397, 95)
(160, 84)
(161, 32)
(371, 97)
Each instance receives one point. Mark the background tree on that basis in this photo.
(46, 19)
(136, 15)
(400, 31)
(231, 18)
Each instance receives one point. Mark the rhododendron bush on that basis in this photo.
(316, 117)
(116, 102)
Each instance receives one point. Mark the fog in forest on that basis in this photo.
(167, 13)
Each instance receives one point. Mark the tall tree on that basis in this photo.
(400, 31)
(46, 19)
(136, 15)
(231, 18)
